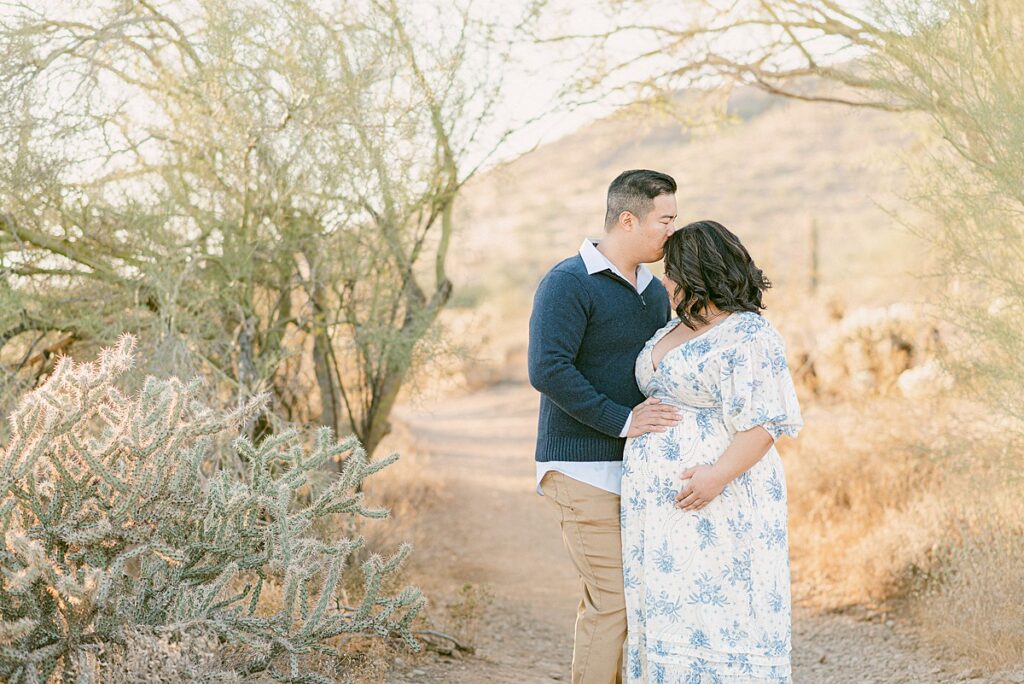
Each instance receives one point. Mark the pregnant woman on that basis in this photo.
(705, 551)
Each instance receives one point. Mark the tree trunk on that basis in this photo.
(326, 375)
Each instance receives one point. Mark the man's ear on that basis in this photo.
(628, 221)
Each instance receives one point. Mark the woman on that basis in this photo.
(705, 553)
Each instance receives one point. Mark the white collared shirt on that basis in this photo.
(606, 475)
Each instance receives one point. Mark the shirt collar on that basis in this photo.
(597, 262)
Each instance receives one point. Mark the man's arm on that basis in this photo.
(557, 324)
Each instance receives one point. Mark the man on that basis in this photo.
(592, 315)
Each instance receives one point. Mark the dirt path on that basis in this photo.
(492, 531)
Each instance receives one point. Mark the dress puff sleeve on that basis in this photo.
(756, 386)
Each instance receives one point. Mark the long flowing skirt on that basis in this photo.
(707, 592)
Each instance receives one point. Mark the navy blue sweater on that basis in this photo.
(585, 334)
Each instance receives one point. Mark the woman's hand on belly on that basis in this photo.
(708, 481)
(705, 483)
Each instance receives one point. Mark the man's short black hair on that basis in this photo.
(634, 191)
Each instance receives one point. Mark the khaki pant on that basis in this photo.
(590, 529)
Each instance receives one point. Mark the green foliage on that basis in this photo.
(962, 64)
(116, 518)
(229, 180)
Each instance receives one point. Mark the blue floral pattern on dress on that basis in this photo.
(707, 592)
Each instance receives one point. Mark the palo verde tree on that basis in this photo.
(262, 191)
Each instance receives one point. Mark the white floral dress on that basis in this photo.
(707, 592)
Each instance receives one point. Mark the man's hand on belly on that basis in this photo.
(652, 416)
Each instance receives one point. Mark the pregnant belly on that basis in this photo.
(700, 437)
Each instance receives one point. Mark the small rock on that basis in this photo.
(556, 676)
(972, 673)
(823, 658)
(890, 623)
(418, 672)
(1016, 677)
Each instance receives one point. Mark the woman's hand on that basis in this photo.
(706, 482)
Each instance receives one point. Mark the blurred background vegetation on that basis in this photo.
(344, 207)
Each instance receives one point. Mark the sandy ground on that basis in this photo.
(494, 532)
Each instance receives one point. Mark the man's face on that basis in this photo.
(656, 227)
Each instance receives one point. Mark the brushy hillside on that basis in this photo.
(778, 168)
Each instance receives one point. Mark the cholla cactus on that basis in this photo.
(867, 351)
(110, 523)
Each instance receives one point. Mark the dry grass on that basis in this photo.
(973, 601)
(404, 488)
(975, 607)
(908, 503)
(863, 498)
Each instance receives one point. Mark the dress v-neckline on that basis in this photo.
(656, 366)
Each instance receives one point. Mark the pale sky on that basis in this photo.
(540, 70)
(536, 72)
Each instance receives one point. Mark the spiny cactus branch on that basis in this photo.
(111, 525)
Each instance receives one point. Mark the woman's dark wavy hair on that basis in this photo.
(709, 264)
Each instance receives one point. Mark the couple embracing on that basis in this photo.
(656, 445)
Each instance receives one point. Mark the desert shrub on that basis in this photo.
(118, 521)
(150, 656)
(863, 500)
(466, 610)
(873, 351)
(972, 604)
(892, 498)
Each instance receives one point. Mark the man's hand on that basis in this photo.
(706, 482)
(651, 416)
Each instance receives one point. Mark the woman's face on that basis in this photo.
(675, 293)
